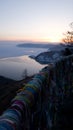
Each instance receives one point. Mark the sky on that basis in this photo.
(35, 20)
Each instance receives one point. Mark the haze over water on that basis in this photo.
(15, 60)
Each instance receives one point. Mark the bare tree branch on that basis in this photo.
(68, 36)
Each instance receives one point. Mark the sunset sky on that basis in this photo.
(35, 20)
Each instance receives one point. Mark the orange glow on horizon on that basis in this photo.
(28, 39)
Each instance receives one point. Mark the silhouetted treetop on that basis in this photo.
(68, 39)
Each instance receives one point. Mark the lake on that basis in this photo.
(15, 61)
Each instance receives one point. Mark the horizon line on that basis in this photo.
(29, 41)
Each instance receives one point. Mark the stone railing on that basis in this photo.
(36, 106)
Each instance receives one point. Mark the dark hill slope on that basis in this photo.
(8, 90)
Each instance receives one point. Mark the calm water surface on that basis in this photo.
(14, 61)
(14, 67)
